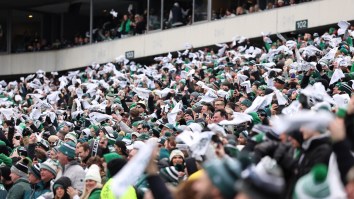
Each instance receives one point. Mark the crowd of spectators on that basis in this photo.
(131, 24)
(239, 121)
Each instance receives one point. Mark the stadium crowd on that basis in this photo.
(241, 122)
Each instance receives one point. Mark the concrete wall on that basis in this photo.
(318, 13)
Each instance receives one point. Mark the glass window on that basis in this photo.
(3, 31)
(154, 15)
(200, 10)
(177, 14)
(26, 31)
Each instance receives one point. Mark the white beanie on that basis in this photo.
(93, 173)
(176, 152)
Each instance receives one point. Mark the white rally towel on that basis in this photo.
(130, 173)
(171, 117)
(337, 75)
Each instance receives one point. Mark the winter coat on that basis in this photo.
(19, 188)
(76, 174)
(108, 193)
(95, 194)
(317, 150)
(3, 191)
(36, 190)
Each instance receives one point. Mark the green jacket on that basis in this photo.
(127, 27)
(95, 194)
(18, 189)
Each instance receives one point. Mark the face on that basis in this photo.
(179, 116)
(60, 136)
(46, 175)
(243, 107)
(53, 155)
(219, 105)
(204, 109)
(230, 114)
(65, 129)
(60, 192)
(92, 132)
(77, 148)
(82, 153)
(188, 117)
(278, 85)
(140, 128)
(62, 158)
(225, 88)
(118, 149)
(32, 178)
(336, 90)
(217, 117)
(14, 177)
(177, 160)
(101, 134)
(262, 115)
(90, 184)
(241, 140)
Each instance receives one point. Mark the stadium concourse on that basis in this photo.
(241, 122)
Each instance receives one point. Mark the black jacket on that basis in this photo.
(315, 151)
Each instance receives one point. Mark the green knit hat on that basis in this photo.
(109, 157)
(143, 137)
(223, 174)
(314, 184)
(255, 118)
(68, 149)
(6, 160)
(246, 102)
(96, 128)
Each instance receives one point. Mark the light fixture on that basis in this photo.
(30, 16)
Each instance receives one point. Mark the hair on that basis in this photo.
(226, 83)
(95, 160)
(134, 112)
(220, 100)
(116, 165)
(210, 107)
(85, 146)
(145, 125)
(222, 112)
(185, 190)
(86, 193)
(122, 146)
(231, 105)
(172, 141)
